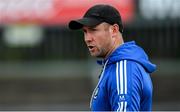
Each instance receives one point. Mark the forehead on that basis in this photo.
(101, 25)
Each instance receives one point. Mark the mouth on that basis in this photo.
(90, 47)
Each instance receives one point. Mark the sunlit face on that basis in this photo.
(98, 39)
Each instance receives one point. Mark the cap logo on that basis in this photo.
(95, 14)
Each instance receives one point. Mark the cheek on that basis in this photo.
(102, 39)
(103, 44)
(106, 39)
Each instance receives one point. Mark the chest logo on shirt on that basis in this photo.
(122, 98)
(96, 93)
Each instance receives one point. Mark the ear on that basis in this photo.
(114, 30)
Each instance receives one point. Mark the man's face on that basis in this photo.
(98, 39)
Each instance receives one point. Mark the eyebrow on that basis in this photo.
(91, 28)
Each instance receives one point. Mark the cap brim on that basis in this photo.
(78, 24)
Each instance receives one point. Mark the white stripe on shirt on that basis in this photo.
(125, 77)
(125, 106)
(122, 105)
(118, 107)
(117, 77)
(121, 80)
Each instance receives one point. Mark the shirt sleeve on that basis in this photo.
(120, 88)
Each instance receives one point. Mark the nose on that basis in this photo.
(87, 37)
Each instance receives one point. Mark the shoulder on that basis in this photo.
(123, 71)
(123, 67)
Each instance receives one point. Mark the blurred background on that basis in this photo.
(46, 66)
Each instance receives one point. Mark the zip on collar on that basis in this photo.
(101, 76)
(102, 62)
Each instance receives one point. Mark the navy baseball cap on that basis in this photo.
(96, 15)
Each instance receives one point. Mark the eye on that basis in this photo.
(84, 30)
(93, 29)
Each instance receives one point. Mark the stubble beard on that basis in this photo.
(100, 54)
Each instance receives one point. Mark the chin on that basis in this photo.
(94, 55)
(98, 55)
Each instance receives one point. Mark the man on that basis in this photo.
(124, 84)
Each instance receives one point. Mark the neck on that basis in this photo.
(119, 41)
